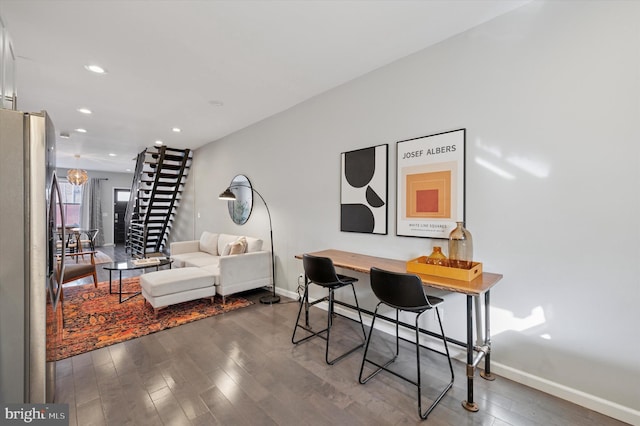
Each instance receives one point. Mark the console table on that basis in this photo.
(480, 286)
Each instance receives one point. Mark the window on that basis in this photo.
(123, 196)
(71, 202)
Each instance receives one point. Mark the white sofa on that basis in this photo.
(232, 273)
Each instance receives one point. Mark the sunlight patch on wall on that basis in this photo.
(535, 168)
(495, 169)
(503, 320)
(532, 167)
(493, 150)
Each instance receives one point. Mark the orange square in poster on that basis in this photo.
(427, 200)
(429, 195)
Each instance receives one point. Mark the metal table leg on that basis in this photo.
(306, 302)
(468, 404)
(477, 306)
(120, 287)
(120, 293)
(483, 347)
(486, 374)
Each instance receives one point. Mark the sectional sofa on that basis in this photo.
(237, 263)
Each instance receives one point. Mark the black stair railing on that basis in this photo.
(131, 211)
(160, 176)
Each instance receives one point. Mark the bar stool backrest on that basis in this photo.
(320, 270)
(399, 290)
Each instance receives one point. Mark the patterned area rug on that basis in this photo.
(93, 318)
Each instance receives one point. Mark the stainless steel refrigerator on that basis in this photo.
(30, 307)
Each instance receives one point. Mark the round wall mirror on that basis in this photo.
(240, 208)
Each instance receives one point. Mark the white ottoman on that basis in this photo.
(171, 286)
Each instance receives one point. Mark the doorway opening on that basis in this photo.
(120, 201)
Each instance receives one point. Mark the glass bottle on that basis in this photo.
(437, 257)
(460, 247)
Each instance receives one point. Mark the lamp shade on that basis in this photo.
(77, 176)
(227, 195)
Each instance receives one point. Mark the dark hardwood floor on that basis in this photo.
(240, 368)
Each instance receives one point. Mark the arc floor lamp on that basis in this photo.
(228, 195)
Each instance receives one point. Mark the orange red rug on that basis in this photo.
(93, 318)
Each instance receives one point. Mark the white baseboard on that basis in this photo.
(287, 293)
(592, 402)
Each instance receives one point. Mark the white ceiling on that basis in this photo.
(171, 63)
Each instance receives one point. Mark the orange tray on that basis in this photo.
(420, 266)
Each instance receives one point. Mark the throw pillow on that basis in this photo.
(253, 244)
(209, 243)
(224, 241)
(239, 246)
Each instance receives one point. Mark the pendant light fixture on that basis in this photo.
(77, 176)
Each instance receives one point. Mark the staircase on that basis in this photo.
(156, 190)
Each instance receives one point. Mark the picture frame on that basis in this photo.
(364, 190)
(430, 195)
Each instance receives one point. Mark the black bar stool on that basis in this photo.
(404, 292)
(320, 271)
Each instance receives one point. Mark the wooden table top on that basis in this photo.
(363, 263)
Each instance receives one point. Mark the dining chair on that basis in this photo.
(70, 272)
(88, 238)
(404, 292)
(321, 271)
(69, 245)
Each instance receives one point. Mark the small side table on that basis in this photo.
(129, 265)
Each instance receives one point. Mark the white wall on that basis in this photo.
(549, 95)
(113, 180)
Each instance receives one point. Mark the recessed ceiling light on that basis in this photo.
(177, 129)
(81, 130)
(95, 68)
(111, 154)
(158, 142)
(84, 110)
(64, 135)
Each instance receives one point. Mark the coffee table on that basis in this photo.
(130, 265)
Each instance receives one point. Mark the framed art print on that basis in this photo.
(430, 184)
(363, 190)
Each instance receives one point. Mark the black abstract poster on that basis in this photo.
(363, 190)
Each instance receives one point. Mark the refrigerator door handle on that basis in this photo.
(56, 276)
